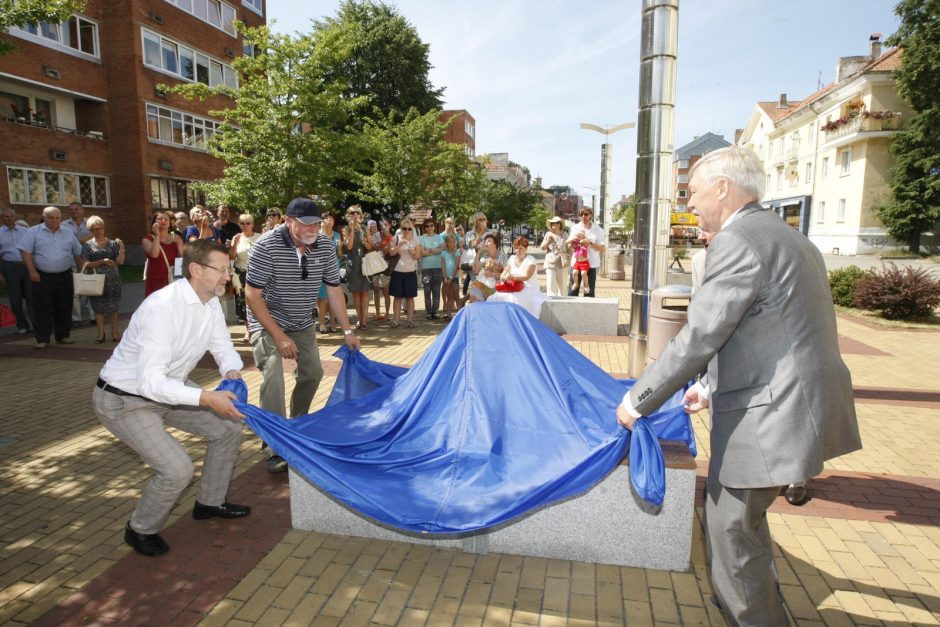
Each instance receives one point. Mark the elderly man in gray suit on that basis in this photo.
(780, 396)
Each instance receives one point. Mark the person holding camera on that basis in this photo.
(162, 247)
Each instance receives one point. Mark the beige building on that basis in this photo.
(827, 157)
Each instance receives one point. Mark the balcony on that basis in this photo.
(877, 124)
(32, 121)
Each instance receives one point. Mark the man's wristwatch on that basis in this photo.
(347, 331)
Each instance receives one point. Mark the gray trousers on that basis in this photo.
(307, 375)
(741, 552)
(431, 278)
(20, 289)
(141, 424)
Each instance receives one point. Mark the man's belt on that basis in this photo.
(110, 388)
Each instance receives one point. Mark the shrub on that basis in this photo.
(899, 294)
(842, 282)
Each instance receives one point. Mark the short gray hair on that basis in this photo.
(48, 211)
(94, 221)
(739, 165)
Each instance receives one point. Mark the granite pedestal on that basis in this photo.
(609, 524)
(581, 316)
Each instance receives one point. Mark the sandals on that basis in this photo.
(410, 324)
(395, 324)
(99, 340)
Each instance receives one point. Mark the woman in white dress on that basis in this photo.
(521, 267)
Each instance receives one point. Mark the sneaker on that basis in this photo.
(67, 340)
(276, 464)
(41, 345)
(22, 331)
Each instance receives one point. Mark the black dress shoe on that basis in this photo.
(225, 510)
(149, 544)
(796, 494)
(276, 464)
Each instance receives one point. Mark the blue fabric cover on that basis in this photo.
(499, 416)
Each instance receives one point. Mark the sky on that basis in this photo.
(529, 71)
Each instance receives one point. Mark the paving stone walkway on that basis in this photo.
(864, 551)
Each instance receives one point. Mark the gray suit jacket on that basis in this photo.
(764, 325)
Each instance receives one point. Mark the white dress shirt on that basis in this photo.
(167, 336)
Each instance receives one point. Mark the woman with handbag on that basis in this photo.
(162, 247)
(239, 250)
(557, 257)
(356, 245)
(104, 255)
(404, 282)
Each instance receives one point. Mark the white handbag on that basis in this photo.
(87, 284)
(373, 263)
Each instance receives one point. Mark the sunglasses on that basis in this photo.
(585, 214)
(355, 213)
(303, 268)
(406, 228)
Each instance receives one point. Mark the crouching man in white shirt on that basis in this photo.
(144, 387)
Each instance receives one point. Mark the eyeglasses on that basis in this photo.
(355, 213)
(585, 213)
(223, 270)
(303, 268)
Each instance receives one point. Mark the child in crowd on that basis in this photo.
(581, 266)
(450, 264)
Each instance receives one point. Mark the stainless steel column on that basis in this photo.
(654, 180)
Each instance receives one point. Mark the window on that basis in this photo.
(779, 178)
(682, 194)
(822, 212)
(845, 161)
(26, 108)
(682, 178)
(48, 187)
(77, 34)
(683, 164)
(170, 126)
(808, 177)
(825, 167)
(173, 58)
(254, 5)
(468, 128)
(682, 208)
(812, 131)
(174, 194)
(840, 212)
(215, 12)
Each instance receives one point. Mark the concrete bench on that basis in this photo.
(581, 316)
(609, 524)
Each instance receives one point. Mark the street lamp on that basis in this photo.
(606, 157)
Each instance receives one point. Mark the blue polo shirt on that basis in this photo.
(9, 240)
(429, 242)
(52, 252)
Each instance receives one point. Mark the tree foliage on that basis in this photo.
(413, 166)
(386, 62)
(915, 182)
(503, 201)
(284, 135)
(32, 13)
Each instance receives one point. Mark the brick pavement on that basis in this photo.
(865, 550)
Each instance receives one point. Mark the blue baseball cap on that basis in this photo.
(305, 210)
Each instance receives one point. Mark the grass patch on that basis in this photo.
(932, 322)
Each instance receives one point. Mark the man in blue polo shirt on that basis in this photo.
(13, 272)
(48, 252)
(285, 270)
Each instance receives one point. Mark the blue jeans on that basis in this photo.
(431, 279)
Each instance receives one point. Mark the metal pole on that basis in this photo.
(607, 154)
(655, 137)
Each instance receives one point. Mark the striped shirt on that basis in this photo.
(274, 267)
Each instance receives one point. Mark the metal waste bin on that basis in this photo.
(669, 311)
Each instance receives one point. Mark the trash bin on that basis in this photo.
(615, 259)
(669, 311)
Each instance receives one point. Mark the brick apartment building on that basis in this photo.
(81, 118)
(461, 129)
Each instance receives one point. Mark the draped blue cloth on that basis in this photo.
(499, 416)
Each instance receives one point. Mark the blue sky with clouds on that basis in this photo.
(530, 71)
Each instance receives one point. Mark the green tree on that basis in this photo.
(413, 166)
(32, 13)
(915, 184)
(284, 137)
(387, 61)
(503, 201)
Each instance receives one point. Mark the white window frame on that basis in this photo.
(682, 179)
(254, 5)
(169, 119)
(60, 177)
(821, 214)
(29, 116)
(62, 36)
(845, 161)
(812, 131)
(683, 164)
(840, 211)
(224, 72)
(682, 193)
(809, 172)
(825, 168)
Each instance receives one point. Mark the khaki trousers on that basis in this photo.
(141, 424)
(307, 375)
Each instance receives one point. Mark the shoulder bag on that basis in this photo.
(87, 284)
